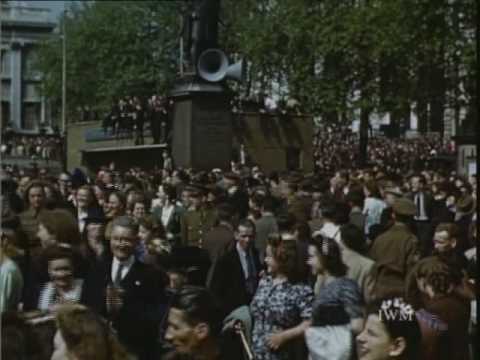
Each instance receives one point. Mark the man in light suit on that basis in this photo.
(353, 244)
(265, 226)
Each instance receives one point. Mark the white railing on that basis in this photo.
(24, 13)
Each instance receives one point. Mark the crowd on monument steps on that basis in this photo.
(345, 263)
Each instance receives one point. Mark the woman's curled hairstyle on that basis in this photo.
(87, 336)
(329, 252)
(284, 252)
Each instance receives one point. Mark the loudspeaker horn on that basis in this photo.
(237, 71)
(213, 66)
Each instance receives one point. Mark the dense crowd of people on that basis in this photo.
(395, 156)
(128, 117)
(35, 147)
(170, 263)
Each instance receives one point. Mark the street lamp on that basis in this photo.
(64, 73)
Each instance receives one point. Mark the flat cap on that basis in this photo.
(465, 204)
(394, 190)
(404, 206)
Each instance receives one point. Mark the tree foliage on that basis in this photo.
(113, 49)
(334, 56)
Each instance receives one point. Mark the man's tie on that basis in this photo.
(118, 275)
(252, 278)
(417, 203)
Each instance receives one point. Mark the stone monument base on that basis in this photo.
(202, 125)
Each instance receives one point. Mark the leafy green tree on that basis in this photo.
(340, 59)
(113, 49)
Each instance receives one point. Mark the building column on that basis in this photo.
(16, 86)
(42, 112)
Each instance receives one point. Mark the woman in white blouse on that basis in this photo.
(62, 286)
(373, 205)
(168, 214)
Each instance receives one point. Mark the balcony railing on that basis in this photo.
(25, 13)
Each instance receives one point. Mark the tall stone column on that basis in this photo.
(16, 86)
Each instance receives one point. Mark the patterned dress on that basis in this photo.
(343, 293)
(277, 307)
(330, 336)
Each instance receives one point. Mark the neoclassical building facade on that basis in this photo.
(22, 27)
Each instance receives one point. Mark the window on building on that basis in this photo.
(5, 63)
(31, 115)
(30, 92)
(5, 112)
(5, 90)
(29, 61)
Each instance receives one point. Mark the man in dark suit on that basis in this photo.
(128, 292)
(87, 207)
(423, 201)
(236, 196)
(220, 239)
(265, 226)
(235, 277)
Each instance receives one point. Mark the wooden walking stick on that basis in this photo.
(239, 329)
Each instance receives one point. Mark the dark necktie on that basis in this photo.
(417, 203)
(252, 278)
(118, 276)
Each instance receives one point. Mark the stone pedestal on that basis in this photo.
(202, 125)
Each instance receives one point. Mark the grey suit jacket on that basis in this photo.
(265, 226)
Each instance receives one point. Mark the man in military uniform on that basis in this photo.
(198, 219)
(395, 252)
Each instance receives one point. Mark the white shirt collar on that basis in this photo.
(242, 254)
(127, 264)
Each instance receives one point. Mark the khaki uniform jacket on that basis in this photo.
(194, 225)
(395, 253)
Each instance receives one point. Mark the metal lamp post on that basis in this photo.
(64, 73)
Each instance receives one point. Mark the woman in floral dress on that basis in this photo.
(281, 308)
